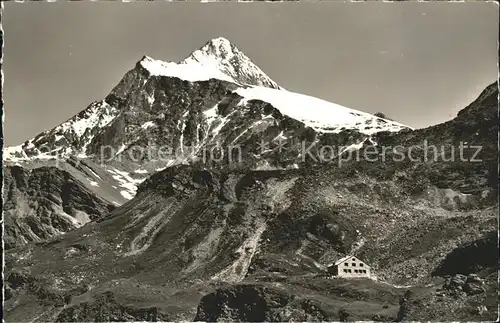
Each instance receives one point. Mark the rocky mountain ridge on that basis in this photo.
(205, 96)
(216, 107)
(193, 240)
(45, 202)
(195, 243)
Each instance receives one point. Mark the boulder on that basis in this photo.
(473, 288)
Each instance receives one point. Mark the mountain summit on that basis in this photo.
(215, 97)
(225, 56)
(217, 59)
(214, 89)
(201, 191)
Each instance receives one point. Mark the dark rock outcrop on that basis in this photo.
(248, 303)
(469, 285)
(471, 258)
(44, 202)
(105, 308)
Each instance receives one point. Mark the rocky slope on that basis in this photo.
(216, 107)
(190, 230)
(470, 169)
(197, 243)
(214, 241)
(44, 202)
(45, 199)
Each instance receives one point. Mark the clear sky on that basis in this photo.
(420, 63)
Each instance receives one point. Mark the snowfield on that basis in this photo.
(321, 115)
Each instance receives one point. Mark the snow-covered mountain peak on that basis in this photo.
(223, 55)
(217, 59)
(220, 47)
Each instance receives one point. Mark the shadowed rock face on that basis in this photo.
(335, 300)
(44, 202)
(247, 303)
(473, 257)
(104, 308)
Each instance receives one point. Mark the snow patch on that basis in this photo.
(98, 115)
(58, 137)
(14, 153)
(222, 122)
(148, 124)
(82, 217)
(126, 182)
(121, 149)
(256, 123)
(150, 99)
(211, 113)
(127, 195)
(94, 173)
(353, 147)
(182, 128)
